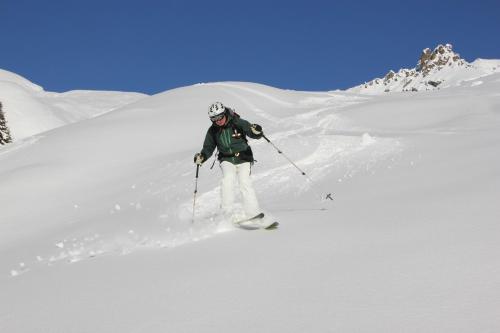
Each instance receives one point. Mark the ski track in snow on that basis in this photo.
(258, 93)
(344, 155)
(250, 105)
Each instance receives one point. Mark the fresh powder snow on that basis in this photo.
(96, 232)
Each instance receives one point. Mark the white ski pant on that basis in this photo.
(229, 173)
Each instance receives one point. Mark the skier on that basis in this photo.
(228, 134)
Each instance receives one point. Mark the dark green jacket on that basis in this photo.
(230, 140)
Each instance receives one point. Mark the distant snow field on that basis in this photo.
(31, 110)
(96, 194)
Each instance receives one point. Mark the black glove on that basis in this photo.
(199, 158)
(256, 129)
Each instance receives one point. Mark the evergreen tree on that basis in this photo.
(4, 130)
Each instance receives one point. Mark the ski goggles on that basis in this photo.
(218, 117)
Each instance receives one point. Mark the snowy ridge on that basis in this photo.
(7, 76)
(30, 110)
(436, 69)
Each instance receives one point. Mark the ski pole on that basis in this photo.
(300, 170)
(195, 190)
(289, 160)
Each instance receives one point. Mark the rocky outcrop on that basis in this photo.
(435, 69)
(441, 56)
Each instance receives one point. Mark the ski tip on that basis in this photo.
(273, 226)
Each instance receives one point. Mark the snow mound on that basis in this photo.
(6, 76)
(30, 110)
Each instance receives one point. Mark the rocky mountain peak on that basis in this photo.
(442, 55)
(436, 68)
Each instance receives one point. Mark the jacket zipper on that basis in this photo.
(227, 136)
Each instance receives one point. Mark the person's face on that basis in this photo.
(221, 122)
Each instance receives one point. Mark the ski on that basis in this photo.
(252, 224)
(272, 226)
(256, 217)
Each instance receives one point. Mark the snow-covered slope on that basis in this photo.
(30, 110)
(94, 213)
(436, 69)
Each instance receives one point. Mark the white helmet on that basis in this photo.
(216, 110)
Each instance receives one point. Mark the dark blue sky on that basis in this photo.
(151, 46)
